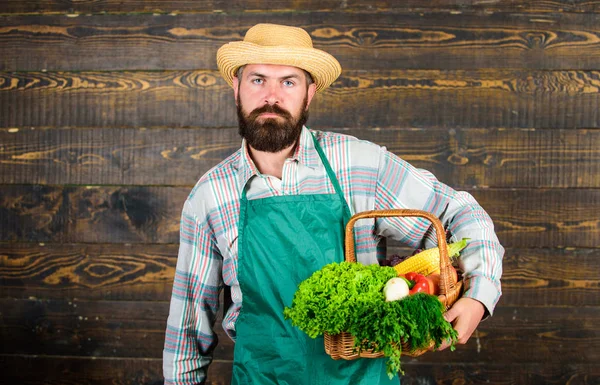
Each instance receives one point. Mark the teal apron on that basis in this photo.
(282, 240)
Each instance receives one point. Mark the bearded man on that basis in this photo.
(274, 212)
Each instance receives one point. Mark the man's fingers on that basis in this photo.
(462, 337)
(464, 316)
(450, 315)
(462, 329)
(443, 346)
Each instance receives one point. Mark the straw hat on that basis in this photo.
(278, 44)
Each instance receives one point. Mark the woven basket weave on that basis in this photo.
(341, 346)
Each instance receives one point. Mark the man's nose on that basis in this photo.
(273, 95)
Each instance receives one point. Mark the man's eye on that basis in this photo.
(257, 81)
(288, 83)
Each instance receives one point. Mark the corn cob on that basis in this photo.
(428, 261)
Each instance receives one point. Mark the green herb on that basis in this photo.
(416, 320)
(348, 297)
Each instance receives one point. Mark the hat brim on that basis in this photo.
(323, 67)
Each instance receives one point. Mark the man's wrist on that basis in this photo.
(483, 290)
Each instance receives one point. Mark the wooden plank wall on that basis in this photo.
(111, 110)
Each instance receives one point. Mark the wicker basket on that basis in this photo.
(342, 345)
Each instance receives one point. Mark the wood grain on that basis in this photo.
(91, 214)
(115, 99)
(183, 6)
(410, 98)
(136, 329)
(360, 40)
(30, 213)
(111, 110)
(462, 158)
(551, 277)
(491, 373)
(75, 327)
(65, 370)
(543, 218)
(29, 370)
(113, 156)
(531, 277)
(123, 272)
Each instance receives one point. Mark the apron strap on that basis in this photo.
(333, 179)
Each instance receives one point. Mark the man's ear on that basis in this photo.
(312, 90)
(236, 88)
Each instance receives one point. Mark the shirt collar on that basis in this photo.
(305, 154)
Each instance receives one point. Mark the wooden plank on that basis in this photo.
(88, 271)
(543, 218)
(97, 328)
(47, 370)
(90, 328)
(558, 373)
(410, 98)
(531, 277)
(551, 277)
(360, 40)
(30, 370)
(529, 335)
(136, 329)
(462, 158)
(91, 214)
(183, 6)
(112, 99)
(95, 214)
(113, 156)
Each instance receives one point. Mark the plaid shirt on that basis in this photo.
(371, 178)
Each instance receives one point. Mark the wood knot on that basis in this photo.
(458, 159)
(204, 79)
(326, 33)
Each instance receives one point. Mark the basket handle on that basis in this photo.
(447, 281)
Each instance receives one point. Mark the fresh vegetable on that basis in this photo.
(327, 300)
(428, 261)
(395, 289)
(396, 259)
(417, 320)
(434, 281)
(349, 297)
(421, 283)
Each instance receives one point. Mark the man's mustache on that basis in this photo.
(270, 108)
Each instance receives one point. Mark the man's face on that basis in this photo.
(272, 105)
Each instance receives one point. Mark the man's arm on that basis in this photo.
(189, 338)
(481, 263)
(401, 185)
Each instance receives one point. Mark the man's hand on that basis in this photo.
(465, 315)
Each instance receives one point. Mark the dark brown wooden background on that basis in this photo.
(111, 110)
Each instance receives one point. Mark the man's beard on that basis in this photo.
(271, 134)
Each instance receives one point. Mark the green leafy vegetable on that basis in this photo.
(328, 300)
(349, 297)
